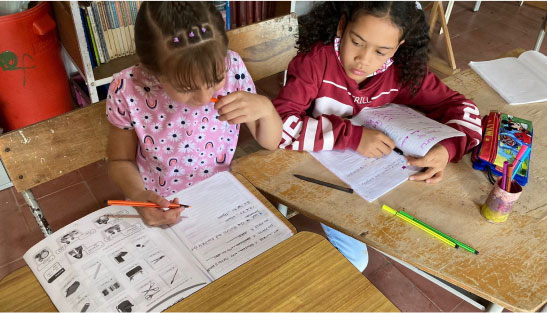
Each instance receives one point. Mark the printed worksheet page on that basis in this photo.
(227, 225)
(100, 263)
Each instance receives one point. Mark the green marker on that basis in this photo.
(466, 247)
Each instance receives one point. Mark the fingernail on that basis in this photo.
(411, 178)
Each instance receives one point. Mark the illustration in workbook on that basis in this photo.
(105, 262)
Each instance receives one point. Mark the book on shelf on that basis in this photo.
(517, 80)
(96, 39)
(248, 12)
(92, 38)
(249, 8)
(100, 31)
(102, 262)
(225, 9)
(87, 38)
(228, 19)
(413, 133)
(109, 28)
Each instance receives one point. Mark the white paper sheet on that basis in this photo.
(369, 177)
(413, 133)
(243, 227)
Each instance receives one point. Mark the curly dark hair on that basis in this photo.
(184, 41)
(321, 23)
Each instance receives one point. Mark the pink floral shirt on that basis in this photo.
(179, 144)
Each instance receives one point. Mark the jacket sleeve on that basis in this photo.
(302, 130)
(449, 107)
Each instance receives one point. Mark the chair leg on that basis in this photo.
(541, 33)
(447, 14)
(477, 6)
(37, 212)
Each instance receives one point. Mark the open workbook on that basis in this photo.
(413, 133)
(517, 80)
(100, 263)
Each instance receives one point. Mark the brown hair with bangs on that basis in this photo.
(182, 41)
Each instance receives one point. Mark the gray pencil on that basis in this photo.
(322, 183)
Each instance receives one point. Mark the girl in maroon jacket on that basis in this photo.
(357, 55)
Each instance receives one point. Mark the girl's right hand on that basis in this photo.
(157, 216)
(375, 144)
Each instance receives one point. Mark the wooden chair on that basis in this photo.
(447, 67)
(38, 153)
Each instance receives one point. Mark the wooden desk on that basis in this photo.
(303, 273)
(511, 268)
(291, 276)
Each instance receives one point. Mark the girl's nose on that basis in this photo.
(203, 96)
(364, 57)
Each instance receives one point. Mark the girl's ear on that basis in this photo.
(396, 48)
(341, 26)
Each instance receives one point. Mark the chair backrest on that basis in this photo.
(44, 151)
(266, 47)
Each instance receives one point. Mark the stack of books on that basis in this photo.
(109, 28)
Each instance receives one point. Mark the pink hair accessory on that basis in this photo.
(191, 35)
(203, 29)
(176, 39)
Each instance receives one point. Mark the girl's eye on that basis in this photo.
(355, 43)
(380, 53)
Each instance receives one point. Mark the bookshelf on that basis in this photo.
(73, 39)
(71, 32)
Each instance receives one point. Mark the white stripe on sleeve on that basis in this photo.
(327, 105)
(468, 125)
(290, 132)
(328, 136)
(309, 137)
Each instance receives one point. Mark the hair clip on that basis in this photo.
(203, 29)
(176, 39)
(191, 35)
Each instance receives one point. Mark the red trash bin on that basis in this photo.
(33, 81)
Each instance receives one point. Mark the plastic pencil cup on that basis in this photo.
(499, 203)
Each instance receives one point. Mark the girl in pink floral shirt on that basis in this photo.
(167, 133)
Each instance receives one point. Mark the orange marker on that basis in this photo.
(214, 100)
(144, 204)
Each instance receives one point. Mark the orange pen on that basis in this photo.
(144, 204)
(214, 100)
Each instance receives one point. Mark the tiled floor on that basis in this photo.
(497, 28)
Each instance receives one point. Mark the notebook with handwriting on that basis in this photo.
(105, 264)
(412, 132)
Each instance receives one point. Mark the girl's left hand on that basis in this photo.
(243, 107)
(435, 161)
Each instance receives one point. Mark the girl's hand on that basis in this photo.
(243, 107)
(435, 161)
(157, 216)
(375, 144)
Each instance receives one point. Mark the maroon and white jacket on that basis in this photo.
(319, 98)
